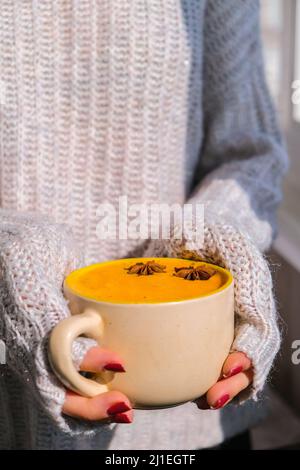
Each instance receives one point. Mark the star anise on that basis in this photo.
(146, 269)
(194, 273)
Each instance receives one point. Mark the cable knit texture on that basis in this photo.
(162, 101)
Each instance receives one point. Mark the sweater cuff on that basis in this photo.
(261, 348)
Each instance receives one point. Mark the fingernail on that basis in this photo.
(121, 418)
(119, 407)
(115, 367)
(233, 371)
(221, 402)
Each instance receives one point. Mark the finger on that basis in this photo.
(113, 406)
(224, 391)
(97, 359)
(235, 363)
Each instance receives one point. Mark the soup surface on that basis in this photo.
(134, 281)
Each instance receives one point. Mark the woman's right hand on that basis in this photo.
(36, 255)
(111, 406)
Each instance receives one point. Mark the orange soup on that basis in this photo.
(147, 280)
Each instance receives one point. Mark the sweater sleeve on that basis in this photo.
(238, 177)
(35, 256)
(243, 158)
(243, 162)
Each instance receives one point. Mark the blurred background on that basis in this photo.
(280, 21)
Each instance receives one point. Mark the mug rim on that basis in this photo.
(229, 282)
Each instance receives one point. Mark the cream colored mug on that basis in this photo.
(173, 351)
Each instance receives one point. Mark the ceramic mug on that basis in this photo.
(173, 351)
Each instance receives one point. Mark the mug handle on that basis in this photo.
(64, 333)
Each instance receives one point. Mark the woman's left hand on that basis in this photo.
(237, 374)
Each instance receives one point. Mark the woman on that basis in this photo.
(161, 101)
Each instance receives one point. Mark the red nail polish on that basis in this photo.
(121, 418)
(115, 367)
(221, 402)
(118, 408)
(235, 370)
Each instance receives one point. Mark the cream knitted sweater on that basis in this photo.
(162, 101)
